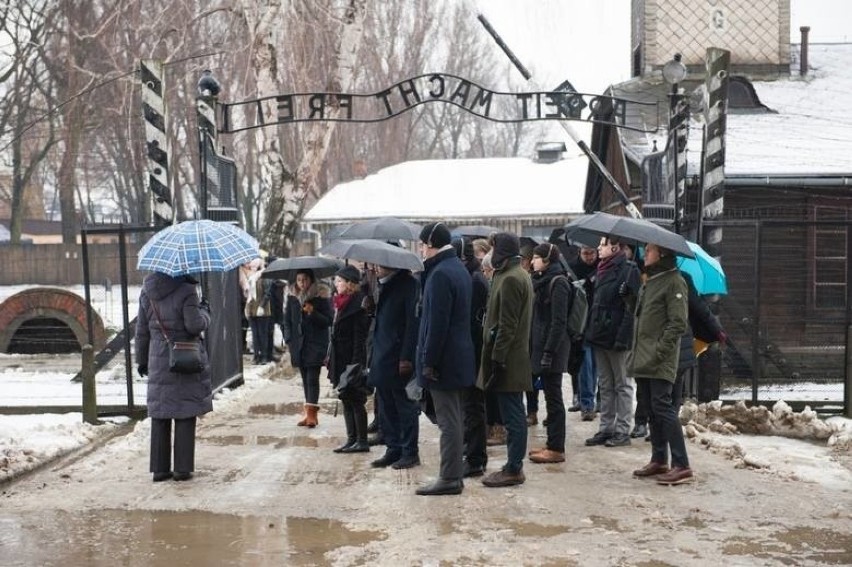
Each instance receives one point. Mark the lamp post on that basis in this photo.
(674, 72)
(205, 107)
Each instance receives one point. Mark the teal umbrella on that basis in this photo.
(706, 271)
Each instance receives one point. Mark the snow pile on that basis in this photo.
(27, 441)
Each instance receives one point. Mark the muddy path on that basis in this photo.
(269, 493)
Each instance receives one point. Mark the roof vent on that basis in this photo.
(549, 152)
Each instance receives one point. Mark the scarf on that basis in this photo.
(340, 301)
(607, 264)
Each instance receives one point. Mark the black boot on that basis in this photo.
(359, 419)
(349, 420)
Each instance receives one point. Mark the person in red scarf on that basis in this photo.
(349, 346)
(610, 334)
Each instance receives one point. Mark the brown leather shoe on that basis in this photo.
(678, 475)
(651, 469)
(534, 451)
(503, 478)
(548, 456)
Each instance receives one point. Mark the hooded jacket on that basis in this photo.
(170, 395)
(308, 334)
(554, 295)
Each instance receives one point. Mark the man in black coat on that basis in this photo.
(473, 404)
(445, 359)
(392, 350)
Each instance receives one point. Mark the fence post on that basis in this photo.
(90, 400)
(847, 386)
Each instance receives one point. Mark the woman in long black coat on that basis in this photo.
(550, 344)
(348, 347)
(307, 322)
(169, 310)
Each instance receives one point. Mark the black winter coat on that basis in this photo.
(703, 325)
(307, 335)
(478, 305)
(444, 343)
(170, 395)
(554, 296)
(610, 323)
(348, 338)
(394, 330)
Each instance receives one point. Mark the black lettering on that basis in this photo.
(461, 92)
(538, 105)
(344, 101)
(439, 91)
(410, 90)
(285, 108)
(483, 99)
(259, 118)
(524, 98)
(550, 100)
(317, 105)
(384, 96)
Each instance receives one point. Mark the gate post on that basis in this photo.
(847, 386)
(90, 400)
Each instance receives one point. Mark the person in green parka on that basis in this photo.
(661, 311)
(506, 367)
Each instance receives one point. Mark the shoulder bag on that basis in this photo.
(184, 356)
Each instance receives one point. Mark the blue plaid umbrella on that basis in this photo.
(197, 246)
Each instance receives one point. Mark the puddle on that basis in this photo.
(161, 538)
(795, 545)
(529, 529)
(610, 524)
(290, 408)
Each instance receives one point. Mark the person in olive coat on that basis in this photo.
(506, 368)
(661, 319)
(349, 346)
(445, 360)
(550, 343)
(170, 310)
(307, 321)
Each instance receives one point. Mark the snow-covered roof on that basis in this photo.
(473, 188)
(808, 131)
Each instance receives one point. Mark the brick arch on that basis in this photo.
(55, 303)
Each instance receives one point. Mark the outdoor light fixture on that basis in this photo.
(207, 84)
(674, 71)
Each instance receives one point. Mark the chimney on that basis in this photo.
(549, 152)
(803, 61)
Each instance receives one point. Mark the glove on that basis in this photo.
(623, 290)
(405, 369)
(142, 369)
(546, 361)
(308, 308)
(722, 337)
(204, 304)
(498, 374)
(430, 374)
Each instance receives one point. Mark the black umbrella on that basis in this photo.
(384, 228)
(334, 232)
(374, 252)
(286, 268)
(477, 230)
(636, 230)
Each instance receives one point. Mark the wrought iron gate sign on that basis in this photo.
(433, 87)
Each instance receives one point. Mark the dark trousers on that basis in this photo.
(399, 421)
(161, 445)
(666, 431)
(355, 417)
(449, 415)
(310, 383)
(475, 432)
(532, 398)
(512, 410)
(492, 409)
(555, 411)
(261, 345)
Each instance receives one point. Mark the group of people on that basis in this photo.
(464, 341)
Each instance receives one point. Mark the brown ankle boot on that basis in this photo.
(304, 421)
(311, 418)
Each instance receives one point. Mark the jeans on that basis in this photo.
(666, 431)
(512, 410)
(310, 383)
(399, 421)
(555, 411)
(588, 380)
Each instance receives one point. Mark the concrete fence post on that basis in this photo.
(90, 401)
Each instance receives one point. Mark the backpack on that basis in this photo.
(579, 310)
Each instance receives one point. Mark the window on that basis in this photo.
(830, 246)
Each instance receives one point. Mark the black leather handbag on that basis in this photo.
(184, 356)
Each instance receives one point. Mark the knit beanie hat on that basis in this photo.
(547, 251)
(435, 234)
